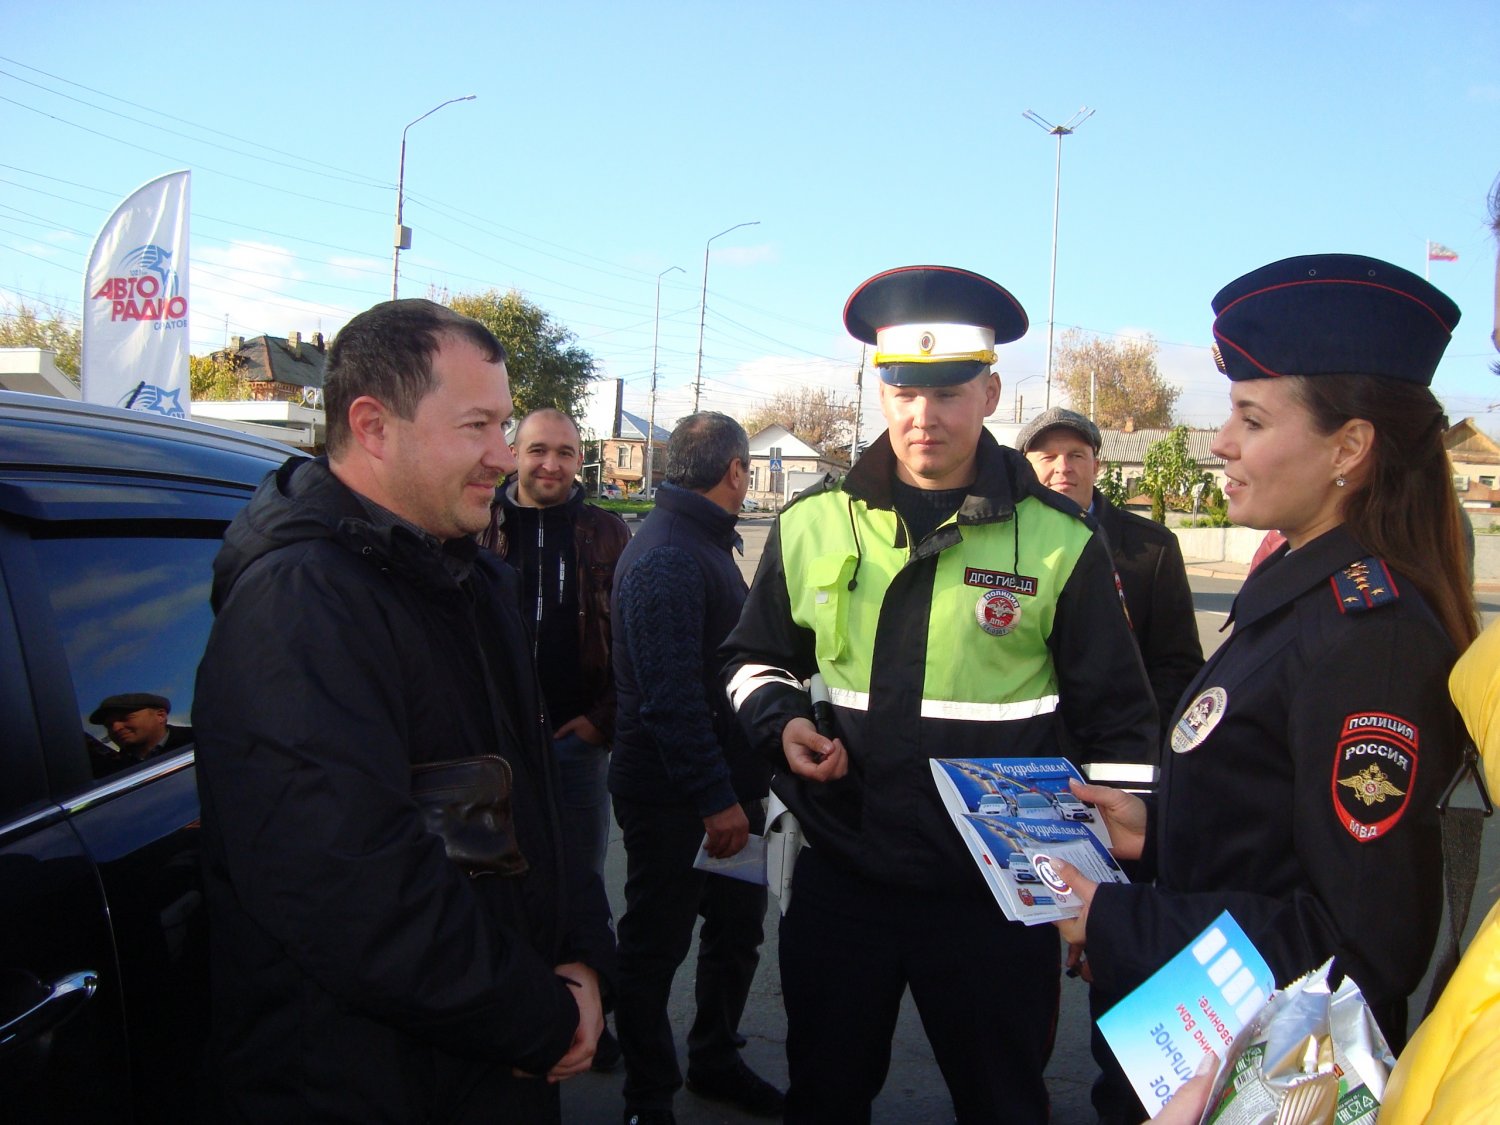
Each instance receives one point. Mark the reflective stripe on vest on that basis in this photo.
(952, 709)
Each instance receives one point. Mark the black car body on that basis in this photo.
(109, 522)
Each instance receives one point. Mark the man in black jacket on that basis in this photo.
(1063, 447)
(358, 973)
(565, 552)
(681, 770)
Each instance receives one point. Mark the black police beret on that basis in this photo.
(1332, 314)
(933, 326)
(128, 702)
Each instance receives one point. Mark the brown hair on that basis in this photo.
(386, 352)
(1404, 509)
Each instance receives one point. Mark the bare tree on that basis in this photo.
(815, 414)
(1126, 381)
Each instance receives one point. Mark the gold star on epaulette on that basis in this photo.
(1359, 574)
(1370, 785)
(1351, 600)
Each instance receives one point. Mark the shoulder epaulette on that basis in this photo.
(1367, 584)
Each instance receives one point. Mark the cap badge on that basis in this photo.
(926, 343)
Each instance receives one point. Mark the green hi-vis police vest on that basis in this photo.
(987, 658)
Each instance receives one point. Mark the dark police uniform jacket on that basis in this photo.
(1300, 786)
(1157, 596)
(978, 641)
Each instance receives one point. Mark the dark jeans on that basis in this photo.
(987, 991)
(584, 796)
(664, 895)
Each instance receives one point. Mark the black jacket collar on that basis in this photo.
(992, 496)
(1004, 479)
(720, 526)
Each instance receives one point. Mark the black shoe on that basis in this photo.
(649, 1117)
(606, 1054)
(739, 1086)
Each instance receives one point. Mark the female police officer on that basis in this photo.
(1301, 788)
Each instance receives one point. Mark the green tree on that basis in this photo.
(216, 378)
(1126, 381)
(1111, 483)
(547, 367)
(1171, 475)
(814, 414)
(26, 326)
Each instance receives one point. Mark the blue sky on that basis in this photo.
(609, 141)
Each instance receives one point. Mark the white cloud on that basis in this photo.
(345, 266)
(742, 255)
(259, 287)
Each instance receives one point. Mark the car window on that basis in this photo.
(133, 616)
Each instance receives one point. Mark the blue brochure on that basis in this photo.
(1197, 1002)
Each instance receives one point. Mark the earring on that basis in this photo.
(1339, 482)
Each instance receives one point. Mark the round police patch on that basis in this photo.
(1197, 722)
(998, 612)
(1042, 864)
(1374, 771)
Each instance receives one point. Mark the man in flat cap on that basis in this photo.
(136, 722)
(954, 608)
(1063, 447)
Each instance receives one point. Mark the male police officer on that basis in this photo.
(1063, 447)
(953, 607)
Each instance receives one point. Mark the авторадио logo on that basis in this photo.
(146, 290)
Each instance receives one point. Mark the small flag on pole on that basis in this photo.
(1437, 252)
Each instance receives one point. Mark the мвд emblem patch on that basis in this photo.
(1374, 771)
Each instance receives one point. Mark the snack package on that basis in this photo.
(1313, 1056)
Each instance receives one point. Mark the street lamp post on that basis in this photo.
(651, 414)
(1015, 394)
(703, 309)
(1058, 131)
(403, 235)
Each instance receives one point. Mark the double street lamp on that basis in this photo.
(403, 234)
(651, 419)
(703, 308)
(1058, 131)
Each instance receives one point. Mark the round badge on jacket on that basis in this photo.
(1199, 720)
(998, 612)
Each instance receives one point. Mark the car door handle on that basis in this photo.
(44, 1006)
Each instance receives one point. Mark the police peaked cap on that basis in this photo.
(1332, 314)
(933, 326)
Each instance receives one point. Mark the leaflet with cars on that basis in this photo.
(1016, 816)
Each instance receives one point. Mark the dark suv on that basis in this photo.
(109, 522)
